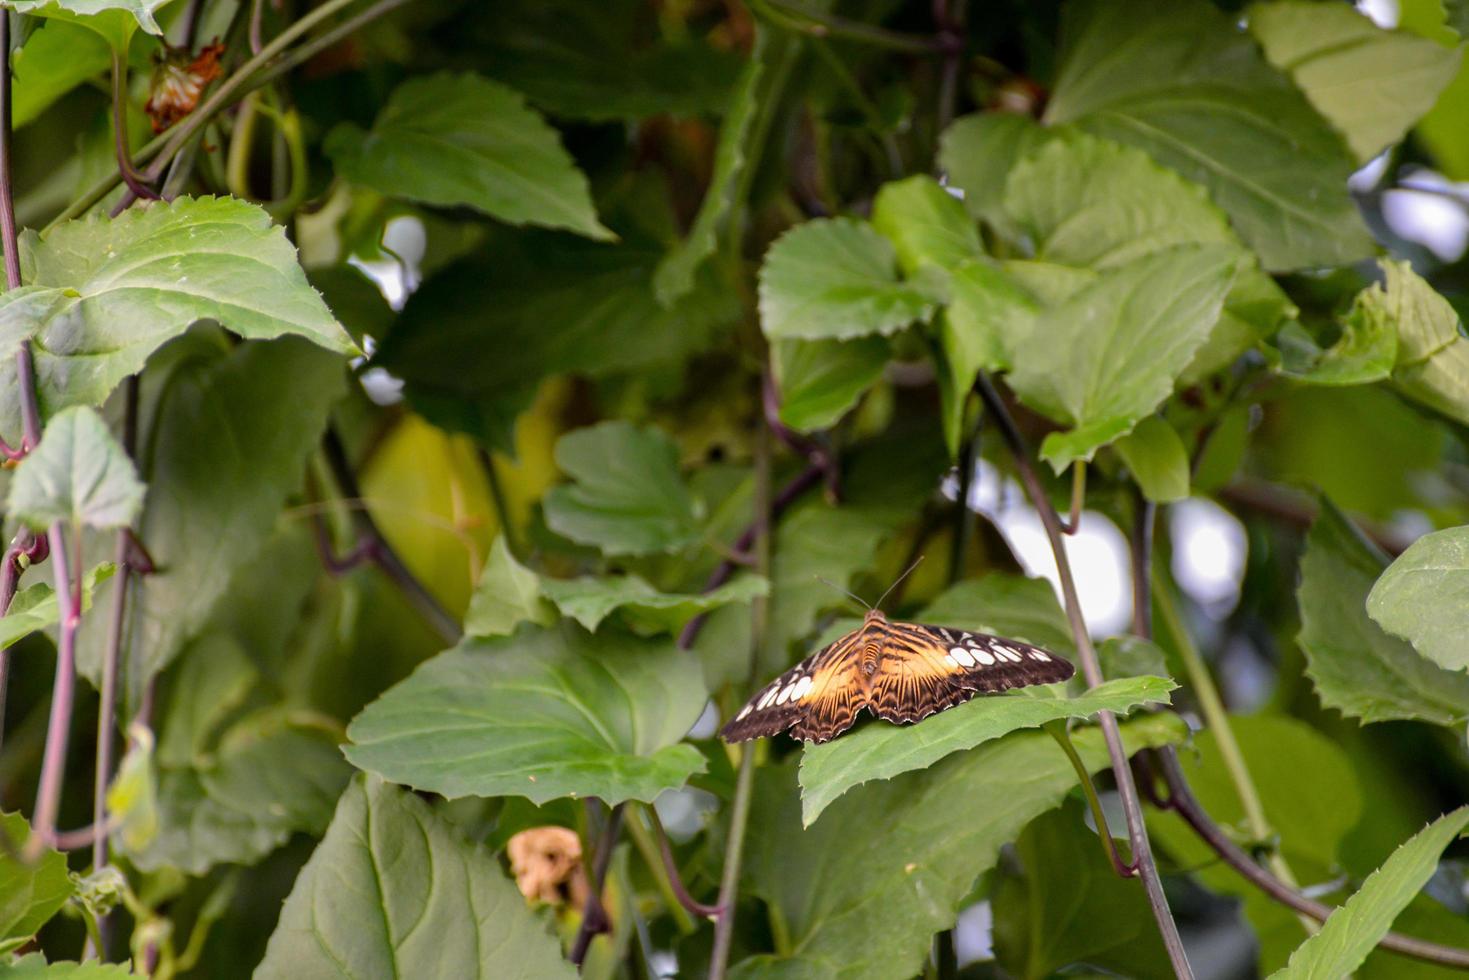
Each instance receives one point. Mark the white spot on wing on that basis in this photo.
(767, 697)
(1039, 655)
(743, 711)
(983, 656)
(963, 656)
(803, 688)
(785, 695)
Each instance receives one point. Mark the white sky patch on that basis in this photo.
(398, 273)
(1384, 13)
(974, 938)
(1208, 554)
(1433, 220)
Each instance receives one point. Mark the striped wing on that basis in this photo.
(926, 669)
(817, 699)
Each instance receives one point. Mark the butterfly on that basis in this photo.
(901, 672)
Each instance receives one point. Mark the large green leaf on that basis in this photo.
(224, 449)
(836, 278)
(628, 496)
(540, 714)
(1157, 458)
(463, 140)
(109, 292)
(1423, 597)
(115, 20)
(29, 893)
(1108, 356)
(1353, 930)
(1180, 81)
(820, 380)
(52, 62)
(78, 475)
(1371, 84)
(1068, 906)
(881, 751)
(590, 600)
(935, 842)
(926, 224)
(394, 890)
(977, 153)
(1357, 668)
(34, 965)
(35, 607)
(474, 341)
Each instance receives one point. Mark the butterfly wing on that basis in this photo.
(926, 669)
(817, 699)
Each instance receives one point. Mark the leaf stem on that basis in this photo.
(1072, 524)
(53, 761)
(803, 21)
(948, 16)
(136, 181)
(1057, 730)
(663, 872)
(1137, 831)
(734, 849)
(594, 914)
(1182, 801)
(501, 503)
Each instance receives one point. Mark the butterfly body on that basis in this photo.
(901, 672)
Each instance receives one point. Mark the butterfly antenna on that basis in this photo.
(898, 580)
(827, 581)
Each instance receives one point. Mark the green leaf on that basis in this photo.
(1004, 605)
(35, 607)
(1158, 461)
(926, 224)
(628, 497)
(474, 341)
(1130, 656)
(115, 290)
(1354, 929)
(820, 380)
(590, 600)
(132, 796)
(462, 140)
(542, 714)
(35, 965)
(394, 890)
(836, 278)
(1366, 351)
(506, 595)
(52, 62)
(745, 120)
(115, 20)
(78, 475)
(978, 151)
(1423, 597)
(1371, 84)
(1356, 667)
(1195, 93)
(884, 751)
(1069, 906)
(935, 843)
(1108, 356)
(225, 449)
(30, 894)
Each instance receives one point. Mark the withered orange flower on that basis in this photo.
(178, 81)
(546, 862)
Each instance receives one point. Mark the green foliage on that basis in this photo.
(78, 475)
(465, 140)
(1157, 459)
(35, 607)
(388, 866)
(608, 714)
(590, 600)
(35, 965)
(29, 893)
(115, 20)
(52, 62)
(1423, 597)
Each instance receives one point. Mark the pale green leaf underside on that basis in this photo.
(926, 224)
(506, 595)
(394, 890)
(1423, 597)
(79, 475)
(881, 751)
(1157, 458)
(109, 292)
(460, 139)
(1353, 929)
(541, 714)
(820, 380)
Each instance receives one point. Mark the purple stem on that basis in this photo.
(594, 916)
(131, 176)
(675, 879)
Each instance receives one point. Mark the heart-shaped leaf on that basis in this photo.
(79, 475)
(29, 893)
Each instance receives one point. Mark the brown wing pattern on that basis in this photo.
(817, 699)
(926, 669)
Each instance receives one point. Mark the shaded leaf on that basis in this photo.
(30, 894)
(590, 600)
(1195, 93)
(1365, 352)
(628, 496)
(541, 714)
(1004, 605)
(460, 139)
(506, 595)
(52, 62)
(1130, 656)
(836, 278)
(820, 380)
(132, 796)
(35, 607)
(1356, 667)
(394, 890)
(1108, 356)
(935, 843)
(1423, 597)
(79, 475)
(1354, 929)
(115, 20)
(106, 293)
(1157, 458)
(882, 751)
(1371, 84)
